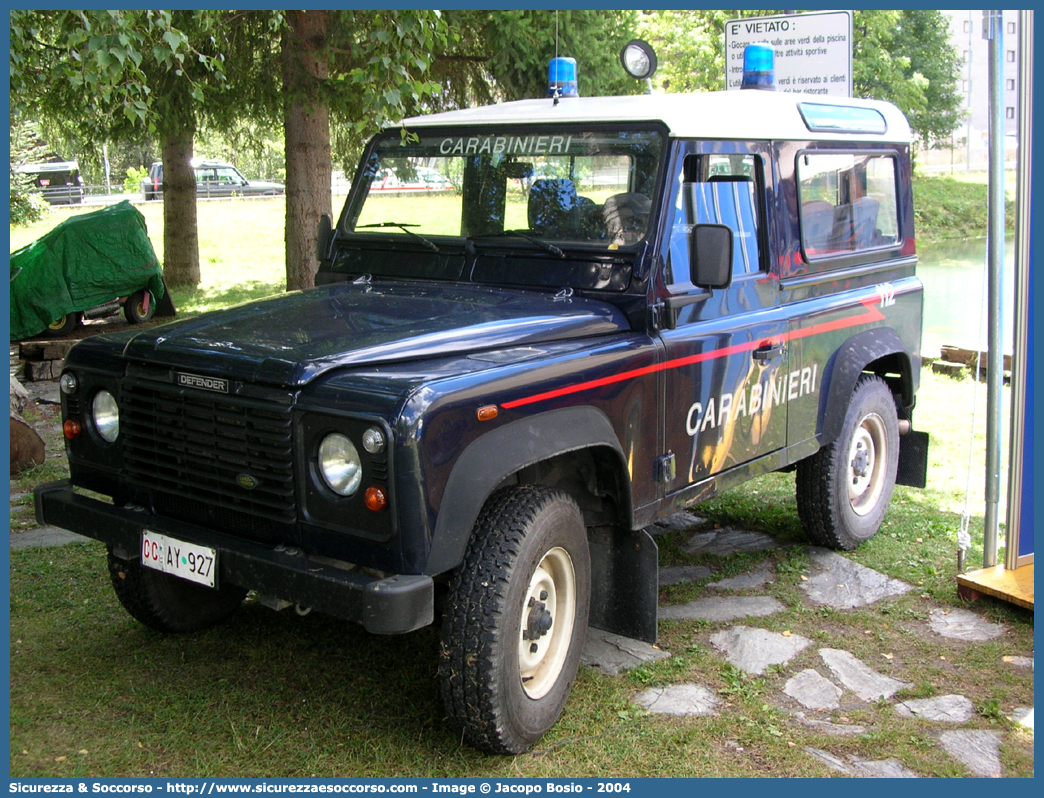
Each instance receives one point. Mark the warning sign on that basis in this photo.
(813, 51)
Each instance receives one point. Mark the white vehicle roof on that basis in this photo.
(746, 114)
(49, 166)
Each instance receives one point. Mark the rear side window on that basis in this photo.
(848, 202)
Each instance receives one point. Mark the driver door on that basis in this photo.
(726, 378)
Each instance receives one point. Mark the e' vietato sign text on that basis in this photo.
(813, 51)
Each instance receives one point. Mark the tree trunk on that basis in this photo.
(180, 236)
(306, 125)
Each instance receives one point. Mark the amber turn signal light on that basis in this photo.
(71, 429)
(487, 413)
(375, 498)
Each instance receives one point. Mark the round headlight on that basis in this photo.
(106, 416)
(69, 383)
(339, 464)
(373, 440)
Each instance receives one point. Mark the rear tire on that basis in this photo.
(516, 619)
(169, 604)
(844, 489)
(134, 307)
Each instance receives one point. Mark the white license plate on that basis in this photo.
(173, 556)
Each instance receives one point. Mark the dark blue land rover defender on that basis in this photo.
(601, 312)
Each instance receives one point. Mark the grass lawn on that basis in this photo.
(93, 693)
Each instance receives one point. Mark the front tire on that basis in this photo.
(844, 489)
(167, 603)
(516, 619)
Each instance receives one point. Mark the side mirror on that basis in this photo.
(325, 237)
(710, 255)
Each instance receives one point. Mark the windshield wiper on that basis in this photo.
(547, 246)
(428, 244)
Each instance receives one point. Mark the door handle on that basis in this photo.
(766, 353)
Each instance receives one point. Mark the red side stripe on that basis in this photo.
(872, 314)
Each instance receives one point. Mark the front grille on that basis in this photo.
(202, 451)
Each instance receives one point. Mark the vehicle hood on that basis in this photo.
(261, 185)
(292, 338)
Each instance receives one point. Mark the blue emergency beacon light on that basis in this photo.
(561, 77)
(759, 67)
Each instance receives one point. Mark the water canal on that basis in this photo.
(953, 273)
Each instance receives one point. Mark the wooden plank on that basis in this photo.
(968, 357)
(1014, 586)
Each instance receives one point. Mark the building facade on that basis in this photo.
(966, 29)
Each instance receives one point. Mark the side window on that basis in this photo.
(848, 202)
(717, 189)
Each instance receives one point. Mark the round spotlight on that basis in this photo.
(638, 59)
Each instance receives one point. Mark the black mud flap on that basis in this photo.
(624, 582)
(913, 460)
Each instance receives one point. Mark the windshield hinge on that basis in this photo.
(363, 279)
(656, 315)
(565, 293)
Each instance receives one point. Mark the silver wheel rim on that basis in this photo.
(547, 623)
(867, 456)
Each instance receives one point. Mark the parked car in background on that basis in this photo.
(58, 181)
(213, 179)
(417, 178)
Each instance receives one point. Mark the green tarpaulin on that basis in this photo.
(84, 262)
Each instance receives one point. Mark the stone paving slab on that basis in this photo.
(679, 522)
(759, 577)
(723, 542)
(722, 609)
(675, 574)
(833, 729)
(679, 700)
(1023, 716)
(859, 768)
(858, 677)
(612, 654)
(1020, 662)
(941, 709)
(959, 624)
(844, 584)
(978, 750)
(753, 650)
(813, 691)
(43, 537)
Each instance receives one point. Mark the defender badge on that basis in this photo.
(206, 383)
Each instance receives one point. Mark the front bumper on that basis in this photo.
(392, 605)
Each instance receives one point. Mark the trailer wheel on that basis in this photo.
(516, 619)
(134, 308)
(63, 325)
(167, 603)
(844, 489)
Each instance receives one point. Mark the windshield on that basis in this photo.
(591, 189)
